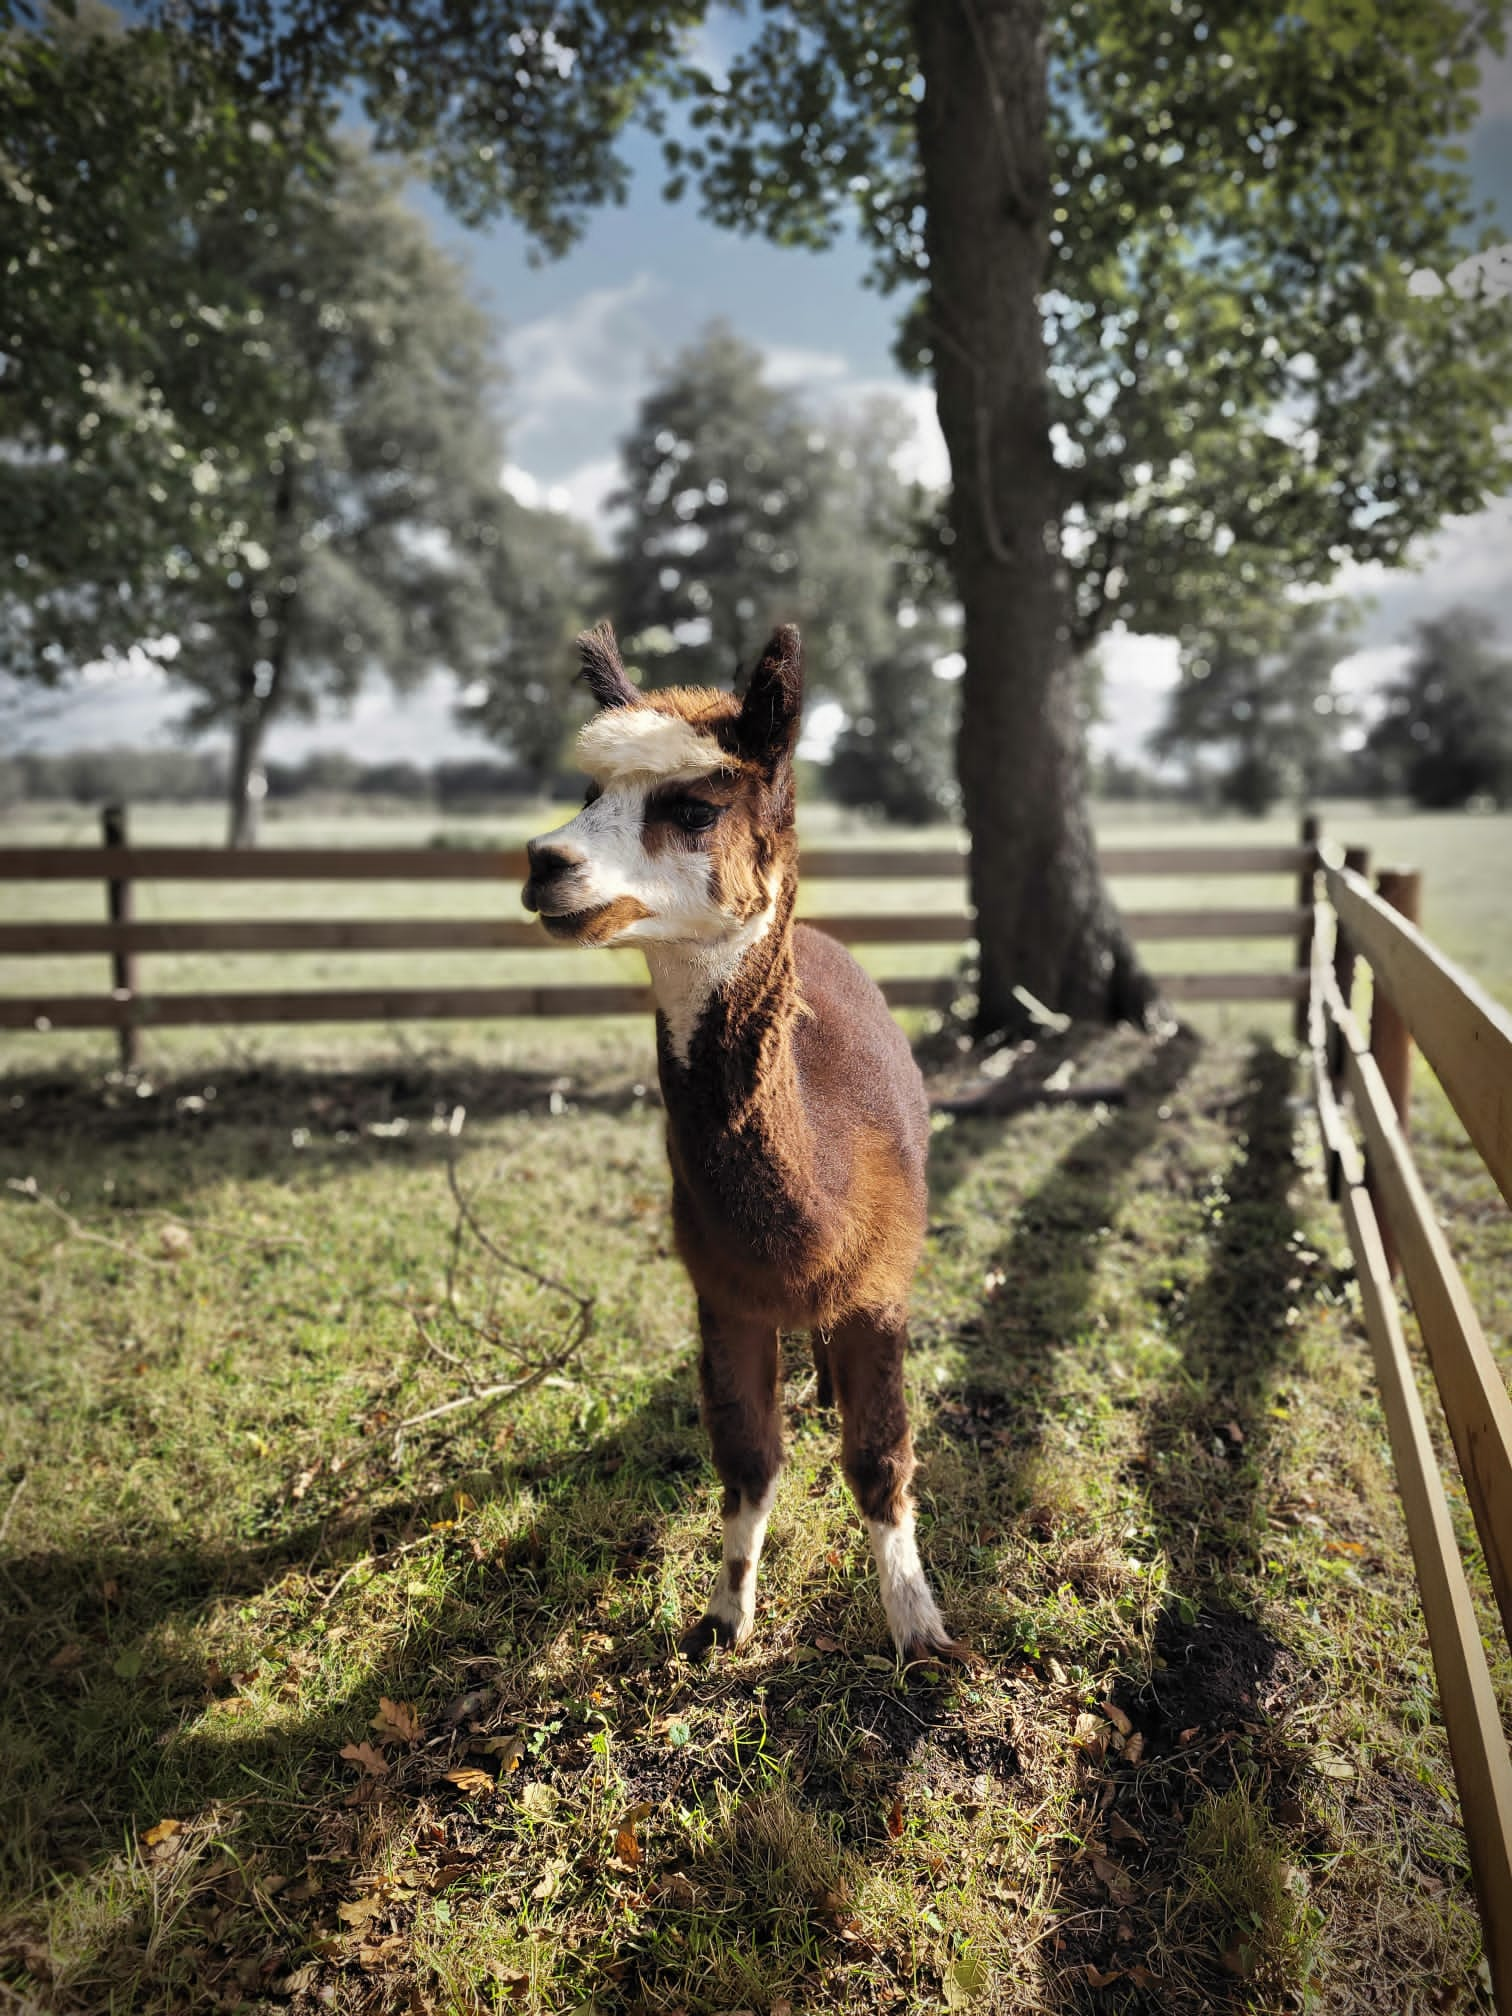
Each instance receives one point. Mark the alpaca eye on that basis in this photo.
(693, 816)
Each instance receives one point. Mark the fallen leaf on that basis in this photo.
(1111, 1876)
(1190, 1735)
(1134, 1748)
(66, 1658)
(965, 1979)
(627, 1848)
(508, 1749)
(895, 1820)
(163, 1831)
(1141, 1976)
(1096, 1978)
(367, 1759)
(385, 1953)
(1056, 1671)
(1291, 1813)
(1239, 1959)
(1117, 1717)
(176, 1241)
(1335, 1767)
(539, 1800)
(468, 1779)
(360, 1909)
(822, 1643)
(1125, 1830)
(1235, 1432)
(395, 1722)
(550, 1883)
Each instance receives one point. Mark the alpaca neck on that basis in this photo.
(741, 978)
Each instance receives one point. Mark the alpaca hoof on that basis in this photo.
(933, 1651)
(696, 1645)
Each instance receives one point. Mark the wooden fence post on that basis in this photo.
(1390, 1043)
(1307, 892)
(1357, 861)
(119, 904)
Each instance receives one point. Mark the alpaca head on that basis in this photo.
(687, 830)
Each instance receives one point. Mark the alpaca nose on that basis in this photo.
(549, 862)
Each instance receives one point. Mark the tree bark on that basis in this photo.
(1045, 923)
(243, 802)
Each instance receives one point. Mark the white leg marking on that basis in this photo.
(744, 1532)
(912, 1614)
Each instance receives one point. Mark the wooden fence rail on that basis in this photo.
(1467, 1039)
(125, 937)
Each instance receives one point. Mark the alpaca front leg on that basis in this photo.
(866, 1353)
(738, 1371)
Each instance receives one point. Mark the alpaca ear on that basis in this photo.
(767, 731)
(601, 672)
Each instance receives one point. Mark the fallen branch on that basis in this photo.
(27, 1188)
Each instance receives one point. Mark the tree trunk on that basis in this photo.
(244, 786)
(1045, 923)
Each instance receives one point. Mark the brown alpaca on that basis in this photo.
(797, 1127)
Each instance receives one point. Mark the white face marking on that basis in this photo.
(744, 1533)
(912, 1614)
(624, 742)
(684, 976)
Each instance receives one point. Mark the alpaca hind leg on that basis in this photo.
(738, 1371)
(866, 1353)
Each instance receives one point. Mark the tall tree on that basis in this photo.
(332, 397)
(1446, 733)
(1258, 687)
(724, 482)
(1158, 262)
(540, 572)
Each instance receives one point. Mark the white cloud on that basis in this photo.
(593, 355)
(1138, 673)
(821, 725)
(1487, 274)
(790, 364)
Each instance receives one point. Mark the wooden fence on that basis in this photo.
(1418, 995)
(127, 939)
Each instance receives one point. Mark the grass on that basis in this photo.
(1203, 1767)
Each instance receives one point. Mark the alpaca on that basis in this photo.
(797, 1126)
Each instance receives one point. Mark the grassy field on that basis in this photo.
(312, 1704)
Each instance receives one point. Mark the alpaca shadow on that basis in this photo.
(134, 1729)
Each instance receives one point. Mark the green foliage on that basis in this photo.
(540, 575)
(1259, 688)
(1247, 384)
(131, 367)
(326, 392)
(1446, 735)
(725, 483)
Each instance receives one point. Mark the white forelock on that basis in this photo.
(625, 742)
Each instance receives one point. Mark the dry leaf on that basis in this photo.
(823, 1643)
(467, 1779)
(176, 1241)
(1056, 1671)
(1117, 1717)
(508, 1749)
(367, 1759)
(1190, 1735)
(627, 1848)
(66, 1658)
(1134, 1748)
(895, 1820)
(385, 1953)
(1109, 1874)
(163, 1831)
(360, 1909)
(539, 1800)
(1096, 1978)
(1124, 1830)
(396, 1721)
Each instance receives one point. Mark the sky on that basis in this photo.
(582, 339)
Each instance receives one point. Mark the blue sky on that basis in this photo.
(582, 338)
